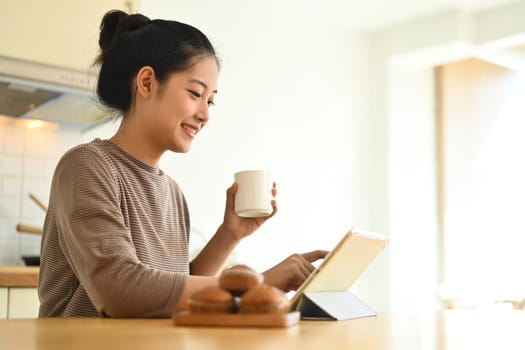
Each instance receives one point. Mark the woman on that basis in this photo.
(116, 235)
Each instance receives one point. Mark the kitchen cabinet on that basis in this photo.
(57, 32)
(18, 292)
(18, 303)
(3, 303)
(23, 303)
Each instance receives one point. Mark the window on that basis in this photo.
(481, 142)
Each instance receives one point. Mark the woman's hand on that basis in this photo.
(290, 273)
(239, 227)
(233, 229)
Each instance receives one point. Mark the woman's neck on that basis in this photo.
(136, 143)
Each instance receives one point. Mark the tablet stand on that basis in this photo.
(332, 306)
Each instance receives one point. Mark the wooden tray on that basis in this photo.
(237, 320)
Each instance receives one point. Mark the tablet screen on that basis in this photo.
(344, 264)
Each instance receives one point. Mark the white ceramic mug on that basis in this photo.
(254, 194)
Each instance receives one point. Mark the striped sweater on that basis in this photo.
(115, 240)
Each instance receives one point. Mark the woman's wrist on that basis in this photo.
(227, 236)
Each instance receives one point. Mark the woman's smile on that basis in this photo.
(190, 130)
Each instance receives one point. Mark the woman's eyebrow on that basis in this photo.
(201, 83)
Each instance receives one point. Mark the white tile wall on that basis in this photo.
(27, 161)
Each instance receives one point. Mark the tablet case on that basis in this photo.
(332, 306)
(324, 295)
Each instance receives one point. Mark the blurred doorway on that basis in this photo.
(480, 142)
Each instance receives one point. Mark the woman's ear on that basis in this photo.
(145, 81)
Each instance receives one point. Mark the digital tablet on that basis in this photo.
(344, 264)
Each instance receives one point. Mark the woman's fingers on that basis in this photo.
(274, 210)
(304, 266)
(230, 195)
(294, 270)
(301, 268)
(315, 255)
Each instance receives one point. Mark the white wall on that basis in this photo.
(293, 97)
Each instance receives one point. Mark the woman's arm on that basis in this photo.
(234, 228)
(212, 257)
(193, 284)
(287, 275)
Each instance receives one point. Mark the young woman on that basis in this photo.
(116, 234)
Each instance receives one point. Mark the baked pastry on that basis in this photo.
(264, 299)
(239, 278)
(212, 299)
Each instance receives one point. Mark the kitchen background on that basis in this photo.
(340, 110)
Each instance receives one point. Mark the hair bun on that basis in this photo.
(116, 22)
(130, 42)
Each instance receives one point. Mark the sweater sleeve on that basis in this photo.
(98, 246)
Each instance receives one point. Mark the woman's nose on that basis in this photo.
(203, 114)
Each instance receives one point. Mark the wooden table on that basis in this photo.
(448, 330)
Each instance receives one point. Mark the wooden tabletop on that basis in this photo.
(19, 276)
(448, 330)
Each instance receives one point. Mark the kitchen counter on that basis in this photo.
(19, 276)
(442, 330)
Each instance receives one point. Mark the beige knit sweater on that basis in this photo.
(115, 239)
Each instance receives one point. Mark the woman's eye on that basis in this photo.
(195, 93)
(211, 103)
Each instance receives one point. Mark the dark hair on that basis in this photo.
(130, 42)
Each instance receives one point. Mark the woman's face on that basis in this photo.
(180, 109)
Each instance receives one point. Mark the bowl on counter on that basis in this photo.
(31, 260)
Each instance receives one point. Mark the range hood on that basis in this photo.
(30, 90)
